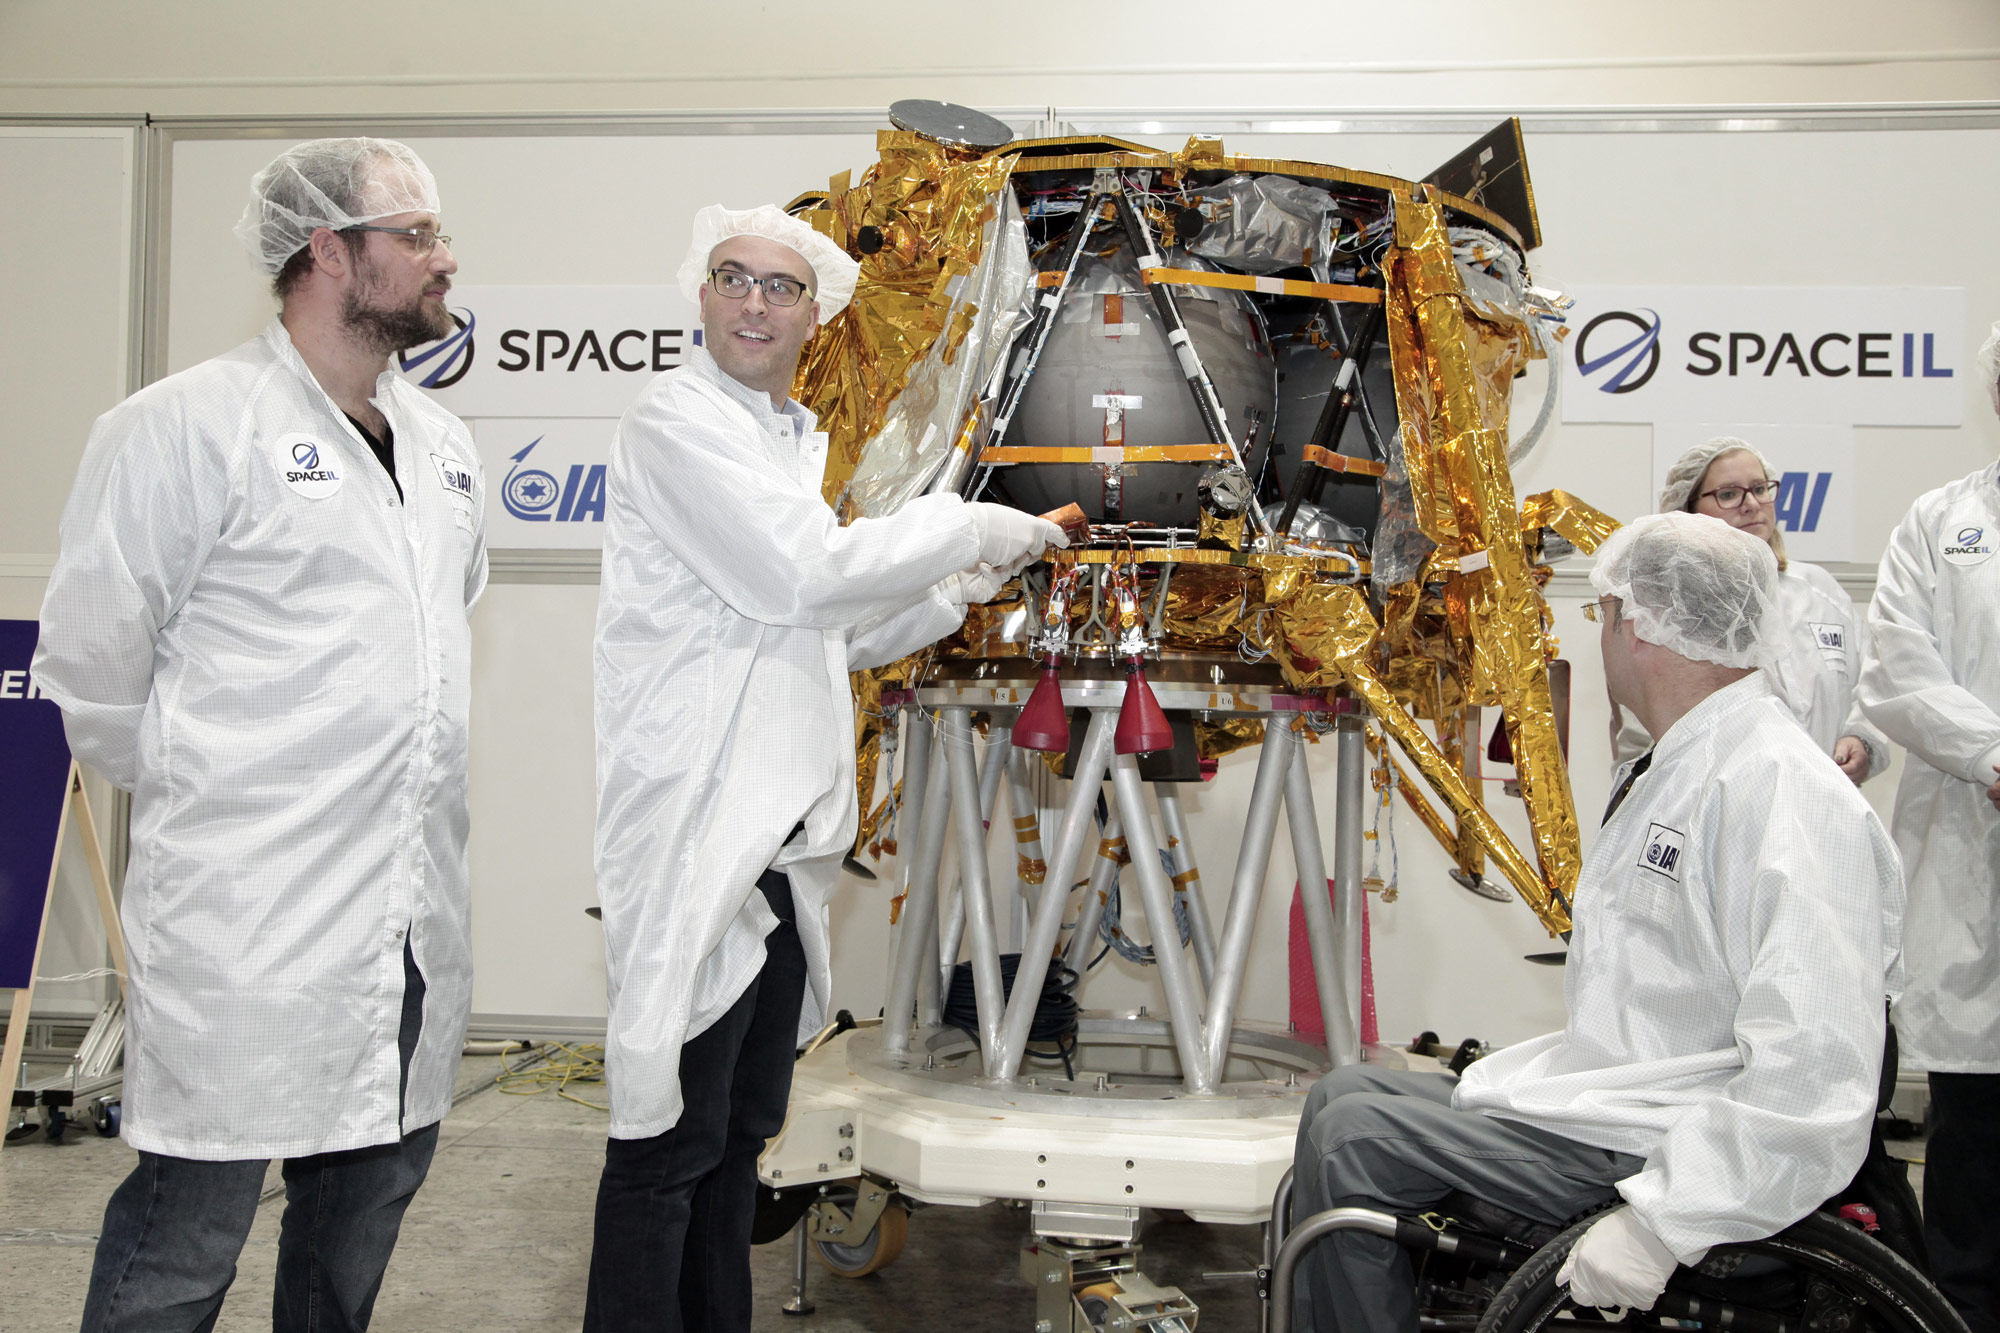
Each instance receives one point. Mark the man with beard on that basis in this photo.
(257, 626)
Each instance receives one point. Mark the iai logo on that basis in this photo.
(1967, 545)
(1828, 638)
(443, 363)
(1663, 851)
(529, 493)
(303, 469)
(551, 491)
(1619, 351)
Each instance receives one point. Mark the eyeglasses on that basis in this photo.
(1729, 497)
(1594, 612)
(421, 239)
(736, 285)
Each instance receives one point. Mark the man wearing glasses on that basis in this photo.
(1735, 934)
(1931, 680)
(732, 608)
(257, 626)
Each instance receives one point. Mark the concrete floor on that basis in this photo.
(499, 1239)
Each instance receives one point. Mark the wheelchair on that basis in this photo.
(1855, 1265)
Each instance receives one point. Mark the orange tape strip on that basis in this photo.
(1245, 282)
(1334, 462)
(1242, 282)
(1011, 454)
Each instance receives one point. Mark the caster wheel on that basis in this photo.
(57, 1126)
(107, 1116)
(874, 1252)
(1096, 1303)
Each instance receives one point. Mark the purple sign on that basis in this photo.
(34, 767)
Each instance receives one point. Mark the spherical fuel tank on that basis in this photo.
(1108, 378)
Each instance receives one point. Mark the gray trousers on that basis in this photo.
(1389, 1139)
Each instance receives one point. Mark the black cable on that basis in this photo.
(1056, 1008)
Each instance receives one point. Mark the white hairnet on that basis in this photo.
(334, 183)
(834, 271)
(1693, 585)
(1988, 366)
(1689, 468)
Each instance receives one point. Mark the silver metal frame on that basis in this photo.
(1201, 994)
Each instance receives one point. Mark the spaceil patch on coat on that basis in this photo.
(305, 467)
(1969, 544)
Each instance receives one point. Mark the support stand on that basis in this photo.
(91, 1072)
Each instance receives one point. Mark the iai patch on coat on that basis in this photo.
(1662, 852)
(455, 477)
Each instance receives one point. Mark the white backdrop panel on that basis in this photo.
(66, 290)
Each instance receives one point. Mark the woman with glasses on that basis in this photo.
(1820, 658)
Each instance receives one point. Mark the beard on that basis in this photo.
(388, 329)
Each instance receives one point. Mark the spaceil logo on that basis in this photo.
(1627, 347)
(302, 468)
(534, 496)
(448, 359)
(1967, 545)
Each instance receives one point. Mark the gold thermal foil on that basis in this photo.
(1310, 620)
(1205, 606)
(928, 204)
(1349, 640)
(1495, 599)
(1498, 351)
(868, 720)
(1458, 740)
(1203, 151)
(1227, 532)
(1212, 740)
(1580, 524)
(998, 628)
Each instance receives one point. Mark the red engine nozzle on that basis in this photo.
(1142, 723)
(1044, 722)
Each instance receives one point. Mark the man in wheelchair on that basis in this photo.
(1735, 936)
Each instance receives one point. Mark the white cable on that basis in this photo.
(91, 975)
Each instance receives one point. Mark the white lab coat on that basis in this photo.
(732, 607)
(278, 670)
(1932, 682)
(1819, 662)
(1735, 936)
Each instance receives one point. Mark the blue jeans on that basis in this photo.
(672, 1243)
(173, 1229)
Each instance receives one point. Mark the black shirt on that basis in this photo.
(385, 449)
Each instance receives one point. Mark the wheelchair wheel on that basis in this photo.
(1820, 1274)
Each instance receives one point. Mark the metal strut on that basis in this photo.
(1332, 421)
(1037, 335)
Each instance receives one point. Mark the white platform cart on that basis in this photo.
(1176, 1106)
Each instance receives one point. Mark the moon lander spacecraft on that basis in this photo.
(1279, 394)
